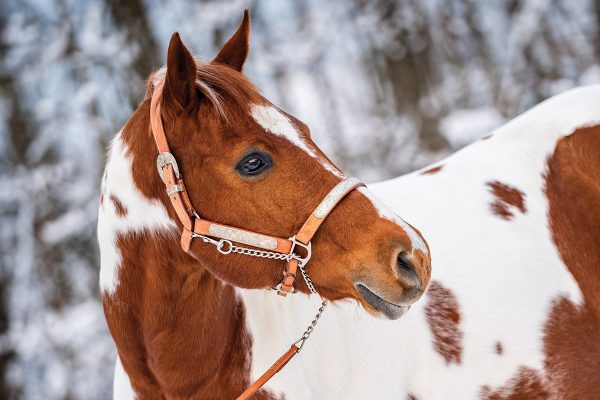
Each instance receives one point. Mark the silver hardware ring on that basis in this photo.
(224, 247)
(307, 248)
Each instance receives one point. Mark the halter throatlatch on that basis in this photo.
(296, 250)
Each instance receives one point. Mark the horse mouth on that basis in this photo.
(385, 307)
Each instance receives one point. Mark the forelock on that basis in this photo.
(228, 91)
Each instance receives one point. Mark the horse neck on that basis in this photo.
(179, 331)
(187, 325)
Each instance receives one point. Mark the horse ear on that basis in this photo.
(236, 49)
(180, 81)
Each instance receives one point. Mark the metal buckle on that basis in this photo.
(307, 248)
(174, 189)
(302, 340)
(165, 158)
(279, 289)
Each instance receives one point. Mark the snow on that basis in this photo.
(462, 127)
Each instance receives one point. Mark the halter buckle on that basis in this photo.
(165, 158)
(303, 260)
(279, 289)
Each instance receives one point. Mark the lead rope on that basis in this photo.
(295, 348)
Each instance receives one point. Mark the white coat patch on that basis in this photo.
(387, 213)
(275, 122)
(142, 213)
(122, 389)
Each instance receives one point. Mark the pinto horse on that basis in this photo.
(513, 309)
(236, 176)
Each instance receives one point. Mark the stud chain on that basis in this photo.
(310, 327)
(226, 247)
(307, 279)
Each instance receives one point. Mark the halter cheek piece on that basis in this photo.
(224, 236)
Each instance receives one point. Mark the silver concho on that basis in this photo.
(164, 159)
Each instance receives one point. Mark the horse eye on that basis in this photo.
(254, 164)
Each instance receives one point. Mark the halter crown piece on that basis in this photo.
(223, 236)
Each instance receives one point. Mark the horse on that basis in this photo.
(201, 188)
(512, 310)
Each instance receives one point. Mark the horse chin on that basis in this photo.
(378, 306)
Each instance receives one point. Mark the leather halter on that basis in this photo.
(195, 226)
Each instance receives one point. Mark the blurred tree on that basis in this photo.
(130, 18)
(14, 145)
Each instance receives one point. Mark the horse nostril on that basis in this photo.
(406, 270)
(403, 262)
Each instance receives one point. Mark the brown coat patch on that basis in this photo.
(180, 332)
(572, 341)
(120, 209)
(572, 347)
(525, 385)
(411, 397)
(499, 348)
(507, 198)
(432, 170)
(443, 316)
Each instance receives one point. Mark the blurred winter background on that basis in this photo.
(387, 86)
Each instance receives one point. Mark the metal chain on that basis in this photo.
(310, 327)
(227, 247)
(261, 253)
(307, 279)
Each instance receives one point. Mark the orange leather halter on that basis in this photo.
(224, 236)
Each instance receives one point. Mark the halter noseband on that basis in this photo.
(224, 236)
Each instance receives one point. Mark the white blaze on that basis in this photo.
(275, 122)
(387, 213)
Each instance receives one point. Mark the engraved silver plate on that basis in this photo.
(164, 159)
(240, 236)
(174, 189)
(334, 196)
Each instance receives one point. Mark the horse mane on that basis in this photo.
(228, 91)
